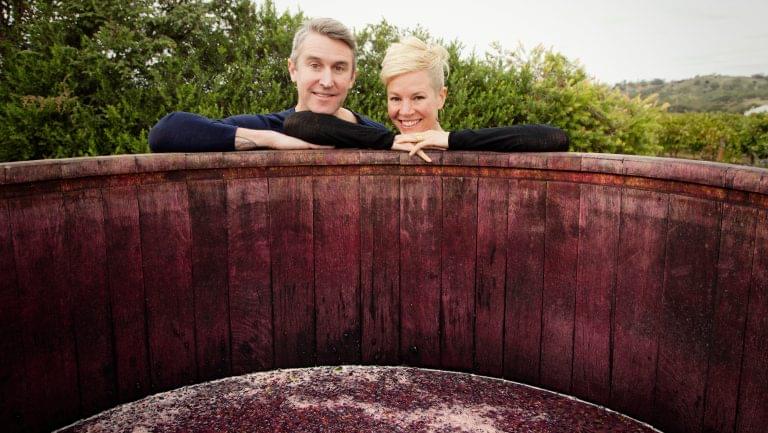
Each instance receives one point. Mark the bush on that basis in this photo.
(91, 78)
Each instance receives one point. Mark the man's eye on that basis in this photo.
(340, 68)
(314, 65)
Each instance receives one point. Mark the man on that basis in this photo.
(322, 64)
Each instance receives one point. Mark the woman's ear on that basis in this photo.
(441, 96)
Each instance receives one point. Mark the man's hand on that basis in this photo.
(249, 139)
(431, 140)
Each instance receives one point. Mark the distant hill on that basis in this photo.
(704, 93)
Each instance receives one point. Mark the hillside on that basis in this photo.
(705, 93)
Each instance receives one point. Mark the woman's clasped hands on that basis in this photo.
(415, 143)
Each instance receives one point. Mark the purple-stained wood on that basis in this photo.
(90, 297)
(458, 255)
(752, 410)
(598, 244)
(525, 279)
(639, 281)
(380, 269)
(166, 252)
(686, 313)
(677, 340)
(734, 271)
(208, 223)
(337, 269)
(48, 343)
(421, 231)
(490, 279)
(13, 381)
(560, 265)
(290, 216)
(127, 295)
(250, 294)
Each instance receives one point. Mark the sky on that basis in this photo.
(614, 40)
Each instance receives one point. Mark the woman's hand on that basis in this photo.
(430, 140)
(408, 147)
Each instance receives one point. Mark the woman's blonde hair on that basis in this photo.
(412, 54)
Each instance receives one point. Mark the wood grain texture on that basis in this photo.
(13, 379)
(490, 280)
(525, 278)
(420, 234)
(91, 313)
(734, 271)
(458, 263)
(127, 295)
(380, 269)
(598, 243)
(639, 283)
(686, 313)
(290, 216)
(208, 222)
(50, 352)
(250, 292)
(560, 266)
(166, 255)
(752, 411)
(337, 269)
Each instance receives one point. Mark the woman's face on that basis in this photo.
(412, 102)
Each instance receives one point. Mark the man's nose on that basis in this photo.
(326, 78)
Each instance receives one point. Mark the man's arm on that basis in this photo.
(188, 132)
(250, 139)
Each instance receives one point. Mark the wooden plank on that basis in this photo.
(636, 302)
(734, 271)
(250, 293)
(598, 243)
(560, 266)
(420, 234)
(752, 410)
(458, 257)
(492, 210)
(13, 387)
(42, 267)
(337, 269)
(525, 276)
(208, 216)
(90, 300)
(380, 269)
(290, 215)
(126, 284)
(166, 244)
(691, 260)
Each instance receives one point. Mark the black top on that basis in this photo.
(332, 131)
(187, 132)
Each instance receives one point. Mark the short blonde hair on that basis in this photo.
(327, 27)
(412, 54)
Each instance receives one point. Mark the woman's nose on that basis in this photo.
(406, 107)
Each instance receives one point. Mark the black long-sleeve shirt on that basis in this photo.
(187, 132)
(329, 130)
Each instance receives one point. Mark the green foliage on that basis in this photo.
(717, 136)
(79, 77)
(704, 93)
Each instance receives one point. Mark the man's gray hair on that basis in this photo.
(328, 27)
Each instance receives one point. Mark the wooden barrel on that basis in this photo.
(637, 283)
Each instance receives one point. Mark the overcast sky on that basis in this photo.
(614, 40)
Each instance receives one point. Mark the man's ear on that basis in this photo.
(354, 77)
(292, 70)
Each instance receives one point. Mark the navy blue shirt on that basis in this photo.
(188, 132)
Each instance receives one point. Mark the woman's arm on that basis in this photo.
(518, 138)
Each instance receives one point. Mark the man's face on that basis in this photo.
(323, 74)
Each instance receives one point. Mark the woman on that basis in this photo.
(414, 75)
